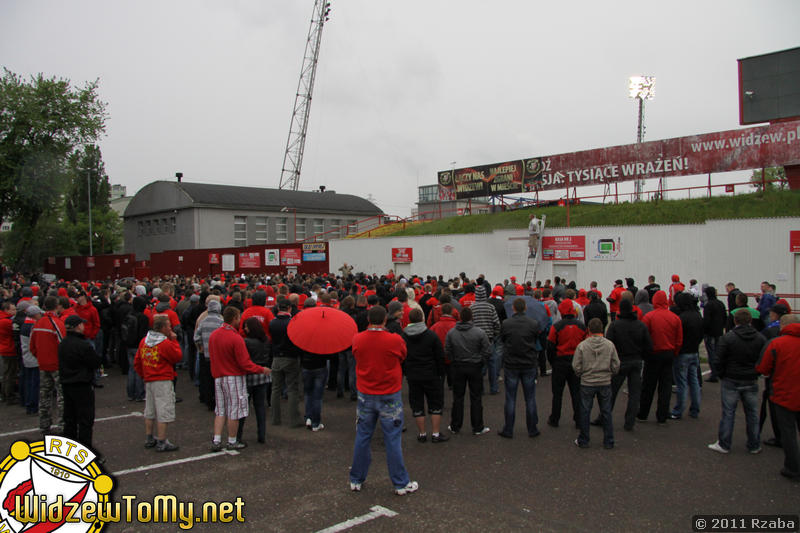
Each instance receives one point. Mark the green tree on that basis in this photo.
(88, 177)
(772, 174)
(42, 120)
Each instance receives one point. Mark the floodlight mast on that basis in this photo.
(295, 144)
(641, 88)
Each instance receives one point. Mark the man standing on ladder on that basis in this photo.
(534, 231)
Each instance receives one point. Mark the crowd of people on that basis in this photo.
(231, 338)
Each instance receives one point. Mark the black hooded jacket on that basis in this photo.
(714, 315)
(738, 352)
(691, 322)
(630, 336)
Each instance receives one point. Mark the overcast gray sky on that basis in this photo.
(403, 88)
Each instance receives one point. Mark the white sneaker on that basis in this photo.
(756, 451)
(355, 487)
(717, 448)
(481, 432)
(408, 489)
(308, 423)
(318, 428)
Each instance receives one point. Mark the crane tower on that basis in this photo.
(295, 144)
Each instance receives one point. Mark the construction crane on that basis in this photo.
(295, 144)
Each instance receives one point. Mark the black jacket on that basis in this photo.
(281, 345)
(595, 309)
(631, 337)
(738, 352)
(691, 322)
(259, 351)
(425, 359)
(77, 360)
(519, 334)
(714, 317)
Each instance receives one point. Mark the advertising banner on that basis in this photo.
(314, 247)
(290, 256)
(117, 263)
(228, 262)
(794, 242)
(567, 247)
(402, 255)
(314, 256)
(272, 257)
(213, 259)
(607, 248)
(249, 260)
(762, 146)
(90, 263)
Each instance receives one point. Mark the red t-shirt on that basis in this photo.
(379, 355)
(229, 355)
(263, 315)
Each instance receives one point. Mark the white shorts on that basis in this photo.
(230, 393)
(159, 401)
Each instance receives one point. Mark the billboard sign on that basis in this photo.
(313, 247)
(762, 146)
(90, 263)
(314, 256)
(228, 262)
(249, 260)
(794, 242)
(607, 248)
(213, 259)
(402, 255)
(272, 257)
(290, 256)
(565, 247)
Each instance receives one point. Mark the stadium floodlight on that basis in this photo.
(642, 87)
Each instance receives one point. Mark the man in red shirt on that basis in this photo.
(47, 334)
(155, 362)
(230, 363)
(259, 310)
(666, 331)
(8, 350)
(379, 378)
(614, 299)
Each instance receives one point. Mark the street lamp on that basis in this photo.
(89, 193)
(641, 88)
(293, 210)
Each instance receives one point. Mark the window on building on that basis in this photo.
(352, 227)
(261, 230)
(281, 230)
(173, 224)
(336, 229)
(429, 193)
(300, 232)
(148, 229)
(319, 226)
(239, 231)
(140, 228)
(156, 227)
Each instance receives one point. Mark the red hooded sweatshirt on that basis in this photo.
(781, 359)
(664, 326)
(156, 357)
(45, 338)
(88, 312)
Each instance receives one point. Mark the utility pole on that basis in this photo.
(295, 144)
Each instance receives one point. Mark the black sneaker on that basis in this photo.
(536, 433)
(422, 437)
(149, 442)
(552, 424)
(238, 445)
(597, 421)
(441, 437)
(166, 446)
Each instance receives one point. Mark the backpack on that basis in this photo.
(129, 329)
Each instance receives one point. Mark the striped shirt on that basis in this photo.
(204, 329)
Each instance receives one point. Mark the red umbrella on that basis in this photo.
(322, 330)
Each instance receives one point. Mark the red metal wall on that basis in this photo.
(176, 262)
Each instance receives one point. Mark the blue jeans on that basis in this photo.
(711, 350)
(135, 385)
(389, 409)
(687, 364)
(31, 389)
(351, 365)
(495, 364)
(731, 391)
(313, 388)
(528, 379)
(603, 393)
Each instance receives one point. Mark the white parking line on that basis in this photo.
(33, 430)
(377, 511)
(175, 462)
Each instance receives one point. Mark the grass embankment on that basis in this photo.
(694, 211)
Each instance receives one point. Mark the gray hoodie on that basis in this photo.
(642, 301)
(595, 361)
(466, 343)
